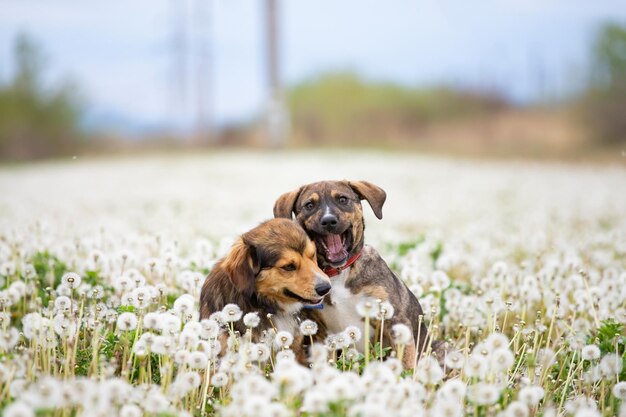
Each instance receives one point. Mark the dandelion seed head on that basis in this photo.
(401, 333)
(71, 280)
(590, 352)
(283, 339)
(127, 321)
(251, 320)
(219, 379)
(308, 327)
(619, 390)
(367, 307)
(18, 409)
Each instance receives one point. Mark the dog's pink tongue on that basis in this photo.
(336, 251)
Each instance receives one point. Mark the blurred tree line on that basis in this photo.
(345, 107)
(39, 119)
(604, 103)
(36, 121)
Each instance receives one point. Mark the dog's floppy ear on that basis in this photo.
(373, 194)
(284, 206)
(241, 265)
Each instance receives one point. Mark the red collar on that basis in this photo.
(331, 272)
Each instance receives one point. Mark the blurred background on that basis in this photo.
(495, 78)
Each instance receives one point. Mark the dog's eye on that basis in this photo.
(343, 199)
(289, 267)
(309, 205)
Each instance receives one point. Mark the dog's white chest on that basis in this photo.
(286, 321)
(341, 311)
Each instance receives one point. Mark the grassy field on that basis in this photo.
(520, 268)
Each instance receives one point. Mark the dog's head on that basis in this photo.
(276, 261)
(332, 215)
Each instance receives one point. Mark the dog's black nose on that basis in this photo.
(322, 289)
(329, 220)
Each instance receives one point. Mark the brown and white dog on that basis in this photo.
(331, 214)
(270, 269)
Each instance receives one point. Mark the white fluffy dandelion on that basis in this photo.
(251, 320)
(18, 409)
(531, 395)
(516, 409)
(367, 307)
(62, 303)
(502, 360)
(71, 280)
(401, 333)
(354, 333)
(619, 390)
(385, 311)
(219, 379)
(454, 360)
(611, 365)
(127, 321)
(283, 339)
(184, 304)
(308, 327)
(197, 360)
(231, 312)
(590, 352)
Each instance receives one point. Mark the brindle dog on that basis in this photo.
(331, 214)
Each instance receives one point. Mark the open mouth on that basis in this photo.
(334, 247)
(302, 299)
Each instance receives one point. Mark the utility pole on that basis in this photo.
(277, 118)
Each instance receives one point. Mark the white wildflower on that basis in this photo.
(590, 352)
(402, 334)
(367, 307)
(308, 327)
(231, 312)
(619, 390)
(251, 320)
(127, 321)
(71, 280)
(611, 365)
(283, 339)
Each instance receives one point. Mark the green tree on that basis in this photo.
(36, 121)
(604, 104)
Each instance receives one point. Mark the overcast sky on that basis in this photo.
(124, 57)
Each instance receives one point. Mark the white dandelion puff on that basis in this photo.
(516, 409)
(71, 280)
(308, 327)
(454, 360)
(611, 365)
(184, 304)
(197, 360)
(502, 360)
(18, 409)
(130, 410)
(619, 390)
(367, 307)
(219, 379)
(385, 311)
(590, 352)
(127, 321)
(251, 320)
(285, 355)
(354, 333)
(283, 339)
(231, 312)
(401, 333)
(531, 395)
